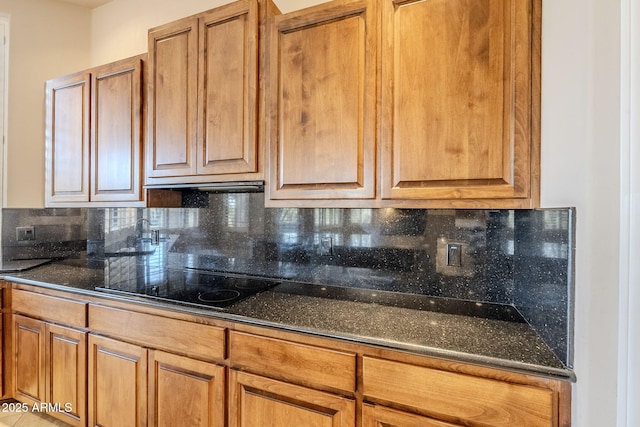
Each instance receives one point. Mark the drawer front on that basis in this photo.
(458, 396)
(163, 333)
(304, 364)
(53, 309)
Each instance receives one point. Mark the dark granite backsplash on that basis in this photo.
(521, 258)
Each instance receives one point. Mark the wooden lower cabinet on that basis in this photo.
(131, 367)
(130, 385)
(185, 391)
(50, 368)
(380, 416)
(256, 401)
(117, 383)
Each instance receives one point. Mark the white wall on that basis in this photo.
(119, 28)
(48, 39)
(580, 165)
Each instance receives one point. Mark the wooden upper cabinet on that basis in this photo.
(116, 137)
(172, 99)
(322, 102)
(204, 96)
(67, 138)
(457, 113)
(94, 136)
(228, 88)
(446, 93)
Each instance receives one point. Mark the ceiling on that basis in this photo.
(90, 4)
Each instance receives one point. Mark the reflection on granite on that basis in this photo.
(508, 343)
(517, 258)
(59, 233)
(543, 279)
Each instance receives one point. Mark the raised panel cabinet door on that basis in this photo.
(261, 402)
(66, 378)
(67, 139)
(379, 416)
(228, 89)
(322, 107)
(172, 99)
(457, 106)
(116, 136)
(185, 392)
(117, 383)
(29, 359)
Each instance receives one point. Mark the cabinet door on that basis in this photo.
(29, 359)
(116, 137)
(66, 373)
(260, 402)
(228, 90)
(456, 101)
(172, 99)
(379, 416)
(185, 391)
(322, 88)
(67, 139)
(117, 383)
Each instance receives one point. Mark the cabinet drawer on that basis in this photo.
(305, 364)
(53, 309)
(163, 333)
(459, 396)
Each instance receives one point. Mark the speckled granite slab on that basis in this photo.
(505, 344)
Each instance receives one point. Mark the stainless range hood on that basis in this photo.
(195, 195)
(219, 187)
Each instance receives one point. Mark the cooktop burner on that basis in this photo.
(194, 287)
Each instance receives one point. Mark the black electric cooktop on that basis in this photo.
(192, 287)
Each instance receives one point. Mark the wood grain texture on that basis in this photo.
(322, 115)
(29, 368)
(295, 374)
(60, 310)
(228, 89)
(66, 373)
(452, 396)
(300, 363)
(185, 391)
(379, 416)
(178, 336)
(259, 401)
(117, 383)
(172, 99)
(116, 136)
(456, 100)
(213, 59)
(67, 139)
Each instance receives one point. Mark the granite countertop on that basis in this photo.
(503, 344)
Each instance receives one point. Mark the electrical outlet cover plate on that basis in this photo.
(453, 258)
(25, 233)
(326, 246)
